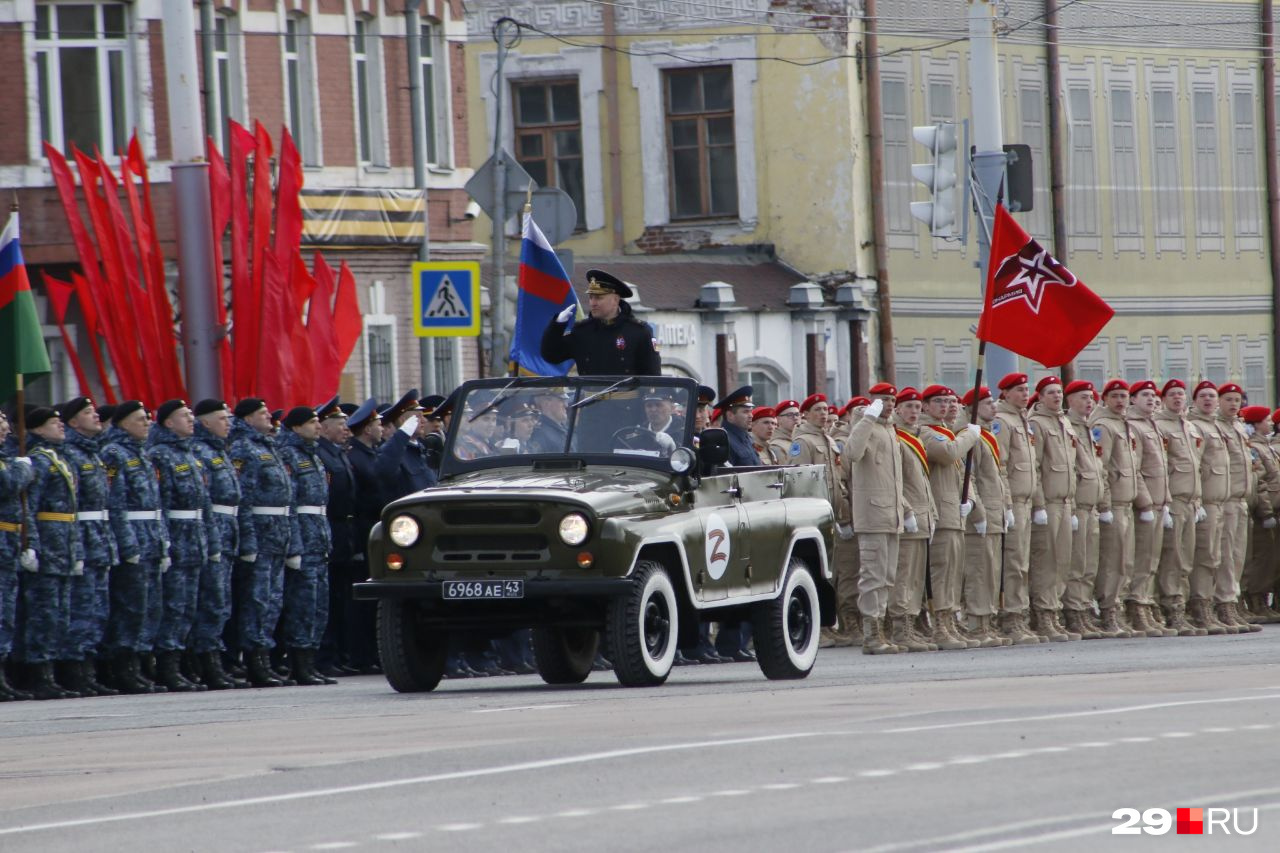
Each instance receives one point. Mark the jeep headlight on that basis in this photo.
(404, 530)
(574, 529)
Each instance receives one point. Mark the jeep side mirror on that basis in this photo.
(713, 449)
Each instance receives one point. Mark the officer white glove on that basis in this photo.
(1167, 519)
(165, 563)
(1201, 515)
(844, 531)
(248, 558)
(215, 558)
(1040, 518)
(563, 316)
(1106, 517)
(909, 523)
(1269, 524)
(1075, 523)
(874, 408)
(133, 561)
(22, 460)
(410, 426)
(966, 508)
(974, 430)
(1009, 520)
(293, 562)
(981, 527)
(1146, 516)
(29, 560)
(77, 568)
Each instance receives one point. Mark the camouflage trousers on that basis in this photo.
(43, 612)
(213, 607)
(306, 604)
(8, 609)
(90, 602)
(155, 608)
(259, 595)
(181, 587)
(127, 588)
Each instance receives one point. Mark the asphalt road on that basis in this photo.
(1016, 748)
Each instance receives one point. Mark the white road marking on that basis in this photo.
(628, 807)
(576, 813)
(679, 801)
(1214, 730)
(1178, 734)
(519, 819)
(830, 780)
(500, 770)
(1094, 744)
(334, 845)
(969, 759)
(1125, 709)
(1257, 727)
(458, 827)
(875, 774)
(398, 836)
(731, 792)
(781, 786)
(924, 765)
(1052, 749)
(545, 707)
(1137, 739)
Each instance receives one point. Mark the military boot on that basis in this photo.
(1176, 618)
(1111, 625)
(122, 676)
(1056, 616)
(167, 673)
(211, 671)
(1221, 612)
(873, 642)
(951, 618)
(1156, 617)
(302, 671)
(43, 686)
(1076, 624)
(8, 689)
(68, 676)
(914, 633)
(900, 635)
(976, 633)
(1200, 614)
(1270, 616)
(260, 674)
(942, 635)
(311, 667)
(90, 668)
(1246, 627)
(987, 625)
(1248, 609)
(1138, 623)
(1042, 625)
(1011, 630)
(827, 638)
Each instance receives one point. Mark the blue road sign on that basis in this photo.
(446, 299)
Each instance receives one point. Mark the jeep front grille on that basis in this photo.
(496, 548)
(487, 514)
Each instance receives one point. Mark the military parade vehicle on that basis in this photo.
(591, 527)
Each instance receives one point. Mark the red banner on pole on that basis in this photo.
(244, 308)
(327, 369)
(59, 297)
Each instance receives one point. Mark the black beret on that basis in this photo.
(105, 412)
(248, 406)
(363, 416)
(208, 407)
(128, 407)
(299, 415)
(599, 281)
(167, 408)
(73, 407)
(277, 415)
(39, 416)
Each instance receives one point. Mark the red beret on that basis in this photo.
(1142, 385)
(908, 395)
(936, 391)
(1204, 383)
(1115, 385)
(811, 401)
(983, 393)
(1011, 380)
(1275, 416)
(786, 404)
(1033, 399)
(1048, 380)
(763, 412)
(1079, 385)
(883, 389)
(1171, 384)
(1255, 414)
(859, 401)
(715, 415)
(1230, 388)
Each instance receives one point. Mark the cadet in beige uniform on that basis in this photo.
(1259, 575)
(1215, 486)
(1053, 516)
(763, 424)
(982, 547)
(788, 413)
(946, 452)
(1178, 549)
(1017, 463)
(1091, 489)
(1235, 510)
(1148, 536)
(1122, 459)
(907, 595)
(871, 459)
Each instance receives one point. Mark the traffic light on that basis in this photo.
(939, 176)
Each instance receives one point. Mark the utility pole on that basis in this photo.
(505, 32)
(417, 119)
(989, 160)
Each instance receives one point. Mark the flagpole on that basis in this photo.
(973, 419)
(513, 366)
(20, 400)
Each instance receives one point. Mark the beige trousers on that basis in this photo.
(1235, 536)
(908, 586)
(1050, 557)
(1259, 576)
(1208, 552)
(1077, 592)
(946, 573)
(1017, 553)
(845, 576)
(982, 573)
(1177, 553)
(1115, 556)
(878, 555)
(1148, 537)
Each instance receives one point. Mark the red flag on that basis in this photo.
(302, 282)
(275, 362)
(220, 204)
(1034, 305)
(243, 308)
(288, 237)
(252, 322)
(59, 297)
(348, 323)
(91, 311)
(326, 369)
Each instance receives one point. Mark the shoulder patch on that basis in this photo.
(87, 466)
(181, 467)
(995, 427)
(216, 461)
(1096, 432)
(265, 457)
(1031, 428)
(937, 436)
(795, 448)
(133, 463)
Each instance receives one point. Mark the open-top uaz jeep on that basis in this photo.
(560, 509)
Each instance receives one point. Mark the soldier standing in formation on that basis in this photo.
(1091, 490)
(1053, 518)
(15, 476)
(982, 544)
(1149, 535)
(1257, 580)
(1015, 440)
(906, 596)
(1235, 510)
(1182, 443)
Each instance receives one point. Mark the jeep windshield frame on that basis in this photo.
(610, 430)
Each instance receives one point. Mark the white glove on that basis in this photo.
(77, 568)
(909, 523)
(981, 527)
(165, 563)
(1040, 518)
(874, 408)
(410, 426)
(248, 558)
(293, 562)
(133, 561)
(1009, 520)
(1201, 515)
(974, 430)
(29, 560)
(1269, 524)
(1106, 517)
(1075, 523)
(844, 531)
(966, 508)
(1167, 520)
(215, 558)
(22, 460)
(1146, 516)
(563, 316)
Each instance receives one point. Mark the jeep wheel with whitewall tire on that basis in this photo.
(412, 656)
(641, 628)
(786, 628)
(565, 655)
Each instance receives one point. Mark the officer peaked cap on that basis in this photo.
(600, 282)
(363, 416)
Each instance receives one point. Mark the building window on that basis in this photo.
(435, 94)
(548, 130)
(1245, 141)
(1124, 164)
(1031, 110)
(299, 78)
(700, 142)
(83, 75)
(897, 156)
(1204, 110)
(1164, 140)
(380, 342)
(763, 386)
(1082, 205)
(226, 79)
(367, 57)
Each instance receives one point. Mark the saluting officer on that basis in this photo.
(1182, 443)
(1149, 536)
(402, 466)
(1091, 490)
(365, 424)
(612, 341)
(1052, 510)
(1017, 462)
(982, 547)
(1235, 510)
(1215, 485)
(15, 475)
(907, 594)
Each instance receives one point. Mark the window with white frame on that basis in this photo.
(1031, 106)
(702, 162)
(380, 341)
(1244, 140)
(433, 66)
(1168, 181)
(1208, 192)
(1215, 359)
(366, 55)
(1082, 165)
(299, 78)
(83, 75)
(1126, 199)
(227, 78)
(897, 156)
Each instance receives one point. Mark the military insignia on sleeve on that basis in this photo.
(795, 448)
(216, 461)
(178, 469)
(87, 466)
(238, 463)
(995, 427)
(133, 463)
(265, 457)
(1096, 432)
(620, 342)
(304, 464)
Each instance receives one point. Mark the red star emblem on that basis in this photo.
(1026, 274)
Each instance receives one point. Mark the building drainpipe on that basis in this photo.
(413, 31)
(210, 70)
(875, 161)
(1273, 181)
(615, 131)
(1053, 146)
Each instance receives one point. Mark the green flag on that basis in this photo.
(22, 349)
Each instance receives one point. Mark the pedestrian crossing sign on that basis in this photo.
(446, 299)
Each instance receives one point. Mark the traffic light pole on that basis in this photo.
(989, 160)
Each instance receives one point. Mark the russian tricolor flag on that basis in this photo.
(22, 349)
(544, 291)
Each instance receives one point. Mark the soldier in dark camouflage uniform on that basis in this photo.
(15, 474)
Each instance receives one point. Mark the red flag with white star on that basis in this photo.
(1034, 305)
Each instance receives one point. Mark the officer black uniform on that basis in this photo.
(742, 452)
(623, 346)
(361, 616)
(402, 467)
(341, 511)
